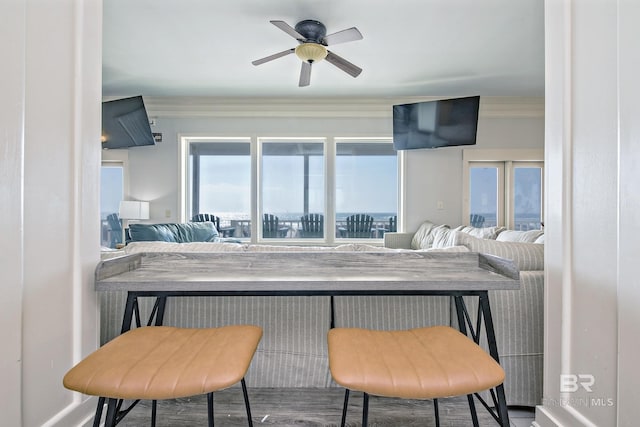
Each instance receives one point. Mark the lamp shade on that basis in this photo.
(133, 209)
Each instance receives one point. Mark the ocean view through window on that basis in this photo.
(291, 188)
(507, 194)
(111, 193)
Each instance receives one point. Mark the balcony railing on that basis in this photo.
(292, 229)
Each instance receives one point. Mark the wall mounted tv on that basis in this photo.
(432, 124)
(125, 124)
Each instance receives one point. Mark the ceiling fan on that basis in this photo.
(313, 39)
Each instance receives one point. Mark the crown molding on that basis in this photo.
(180, 107)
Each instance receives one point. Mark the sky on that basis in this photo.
(363, 184)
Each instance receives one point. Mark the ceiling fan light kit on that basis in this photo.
(311, 52)
(313, 39)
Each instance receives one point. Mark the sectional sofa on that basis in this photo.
(293, 350)
(518, 315)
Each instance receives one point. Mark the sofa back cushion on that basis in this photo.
(529, 236)
(174, 232)
(481, 232)
(526, 256)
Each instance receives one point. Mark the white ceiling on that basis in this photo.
(410, 48)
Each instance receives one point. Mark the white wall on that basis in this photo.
(591, 320)
(49, 187)
(432, 175)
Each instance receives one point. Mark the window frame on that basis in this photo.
(185, 191)
(118, 159)
(507, 160)
(258, 185)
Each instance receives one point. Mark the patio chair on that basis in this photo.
(271, 227)
(207, 218)
(312, 225)
(359, 226)
(476, 220)
(393, 223)
(115, 229)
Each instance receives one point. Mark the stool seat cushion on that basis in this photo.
(161, 362)
(421, 363)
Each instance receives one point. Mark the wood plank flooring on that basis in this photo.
(304, 407)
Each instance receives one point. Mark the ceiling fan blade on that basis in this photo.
(305, 74)
(348, 35)
(289, 30)
(343, 64)
(272, 57)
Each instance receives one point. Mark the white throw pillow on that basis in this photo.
(422, 238)
(444, 237)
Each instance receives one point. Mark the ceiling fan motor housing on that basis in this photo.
(312, 30)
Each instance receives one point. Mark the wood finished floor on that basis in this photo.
(304, 407)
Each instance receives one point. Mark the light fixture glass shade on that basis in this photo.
(311, 52)
(133, 209)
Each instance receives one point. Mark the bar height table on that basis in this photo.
(330, 273)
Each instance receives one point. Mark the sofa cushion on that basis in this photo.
(460, 248)
(529, 236)
(527, 256)
(481, 232)
(174, 232)
(139, 247)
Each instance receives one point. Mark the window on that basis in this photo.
(366, 183)
(485, 193)
(111, 193)
(507, 192)
(527, 196)
(267, 189)
(292, 185)
(220, 182)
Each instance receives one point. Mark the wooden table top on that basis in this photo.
(307, 273)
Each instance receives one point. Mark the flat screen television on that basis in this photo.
(433, 124)
(125, 124)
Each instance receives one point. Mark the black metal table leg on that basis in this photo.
(485, 313)
(112, 413)
(162, 303)
(333, 311)
(493, 351)
(131, 308)
(98, 416)
(132, 300)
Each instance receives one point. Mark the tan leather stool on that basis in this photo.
(422, 363)
(162, 362)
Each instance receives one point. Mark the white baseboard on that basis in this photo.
(77, 414)
(559, 417)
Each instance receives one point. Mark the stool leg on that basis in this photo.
(246, 402)
(472, 408)
(112, 413)
(154, 408)
(98, 416)
(210, 408)
(344, 407)
(365, 410)
(436, 412)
